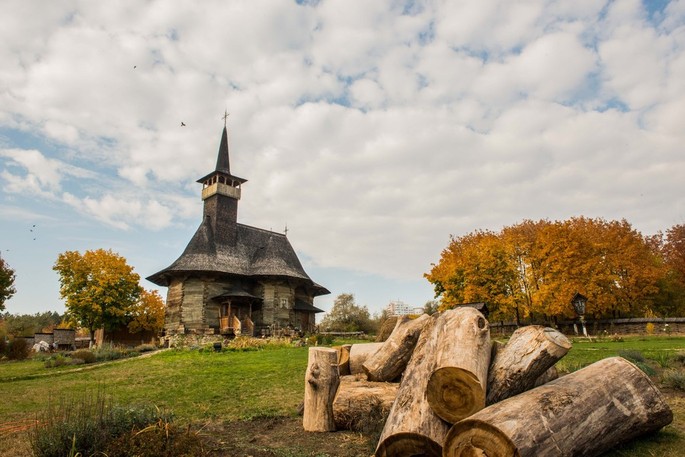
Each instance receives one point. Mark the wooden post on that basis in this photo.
(531, 350)
(321, 384)
(359, 353)
(391, 359)
(457, 386)
(412, 428)
(582, 414)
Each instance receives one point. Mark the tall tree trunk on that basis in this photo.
(582, 414)
(412, 428)
(456, 388)
(391, 359)
(320, 386)
(530, 351)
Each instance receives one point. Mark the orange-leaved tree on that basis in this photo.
(147, 313)
(99, 287)
(534, 268)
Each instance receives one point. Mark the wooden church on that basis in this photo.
(233, 279)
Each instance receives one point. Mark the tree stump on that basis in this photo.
(359, 353)
(531, 350)
(582, 414)
(361, 405)
(412, 428)
(456, 388)
(320, 386)
(391, 359)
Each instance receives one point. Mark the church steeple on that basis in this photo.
(220, 193)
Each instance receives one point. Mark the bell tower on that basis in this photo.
(220, 194)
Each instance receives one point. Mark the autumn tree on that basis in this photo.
(532, 269)
(147, 313)
(7, 289)
(99, 287)
(347, 316)
(671, 245)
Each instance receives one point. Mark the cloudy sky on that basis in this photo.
(373, 130)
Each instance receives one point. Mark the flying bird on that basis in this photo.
(183, 124)
(134, 67)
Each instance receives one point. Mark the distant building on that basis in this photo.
(399, 308)
(232, 278)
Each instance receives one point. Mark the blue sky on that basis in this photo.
(372, 130)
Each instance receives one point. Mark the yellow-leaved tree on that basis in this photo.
(99, 287)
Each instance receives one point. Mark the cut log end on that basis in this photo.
(454, 394)
(471, 438)
(557, 338)
(408, 445)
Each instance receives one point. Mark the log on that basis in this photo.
(550, 375)
(386, 329)
(582, 414)
(412, 428)
(343, 359)
(531, 350)
(391, 359)
(320, 386)
(361, 405)
(359, 353)
(457, 386)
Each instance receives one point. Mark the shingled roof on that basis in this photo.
(257, 252)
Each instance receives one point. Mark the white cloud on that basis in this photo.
(372, 129)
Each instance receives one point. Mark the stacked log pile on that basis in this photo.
(461, 394)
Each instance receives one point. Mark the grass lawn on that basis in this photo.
(237, 386)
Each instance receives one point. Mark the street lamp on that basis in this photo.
(579, 301)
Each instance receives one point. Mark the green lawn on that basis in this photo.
(198, 386)
(195, 385)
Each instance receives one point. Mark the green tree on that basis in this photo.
(99, 287)
(6, 283)
(430, 307)
(28, 324)
(346, 316)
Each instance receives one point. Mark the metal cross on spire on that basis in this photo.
(225, 116)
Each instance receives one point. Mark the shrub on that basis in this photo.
(145, 348)
(3, 346)
(108, 351)
(56, 361)
(85, 355)
(649, 328)
(632, 355)
(87, 425)
(674, 379)
(18, 349)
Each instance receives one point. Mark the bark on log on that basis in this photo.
(550, 375)
(391, 359)
(359, 353)
(361, 405)
(456, 388)
(412, 428)
(582, 414)
(343, 359)
(320, 386)
(386, 329)
(531, 350)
